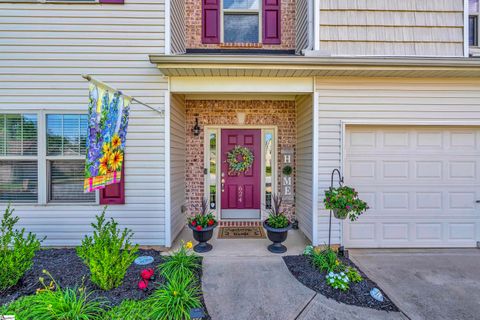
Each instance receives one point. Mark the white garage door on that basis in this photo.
(421, 183)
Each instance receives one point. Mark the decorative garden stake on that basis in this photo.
(143, 285)
(143, 260)
(147, 274)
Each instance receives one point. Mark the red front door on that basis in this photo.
(241, 191)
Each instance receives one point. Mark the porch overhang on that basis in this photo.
(300, 66)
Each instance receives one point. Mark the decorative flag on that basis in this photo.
(108, 113)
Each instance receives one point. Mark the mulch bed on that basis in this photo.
(68, 270)
(358, 295)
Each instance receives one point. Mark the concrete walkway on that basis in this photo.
(426, 283)
(263, 288)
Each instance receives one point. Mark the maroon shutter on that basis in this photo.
(112, 1)
(114, 193)
(211, 21)
(271, 21)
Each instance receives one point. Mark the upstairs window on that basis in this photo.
(241, 21)
(473, 30)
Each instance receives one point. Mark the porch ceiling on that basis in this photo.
(301, 66)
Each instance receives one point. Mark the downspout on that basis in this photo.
(310, 21)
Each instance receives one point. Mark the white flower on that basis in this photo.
(331, 280)
(331, 274)
(342, 274)
(343, 287)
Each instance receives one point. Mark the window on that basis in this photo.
(59, 159)
(212, 170)
(18, 158)
(66, 145)
(473, 22)
(269, 157)
(241, 21)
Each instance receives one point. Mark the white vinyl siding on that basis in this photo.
(177, 164)
(44, 49)
(177, 23)
(304, 166)
(384, 101)
(301, 25)
(392, 28)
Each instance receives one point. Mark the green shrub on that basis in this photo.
(353, 275)
(53, 303)
(326, 260)
(181, 264)
(16, 250)
(174, 300)
(129, 309)
(108, 253)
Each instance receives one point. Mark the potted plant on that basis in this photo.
(277, 226)
(202, 225)
(344, 202)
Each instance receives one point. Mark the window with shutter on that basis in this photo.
(18, 158)
(241, 21)
(66, 147)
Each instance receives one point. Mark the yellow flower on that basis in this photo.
(116, 141)
(189, 245)
(106, 148)
(337, 262)
(175, 293)
(103, 167)
(115, 160)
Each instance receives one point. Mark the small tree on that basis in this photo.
(16, 250)
(108, 253)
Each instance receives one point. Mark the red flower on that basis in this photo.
(147, 274)
(194, 223)
(210, 222)
(199, 228)
(143, 285)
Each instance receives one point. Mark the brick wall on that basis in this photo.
(193, 16)
(223, 112)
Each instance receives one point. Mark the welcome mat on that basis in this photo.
(254, 232)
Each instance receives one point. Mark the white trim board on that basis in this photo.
(168, 197)
(236, 85)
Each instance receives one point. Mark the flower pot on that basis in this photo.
(202, 236)
(277, 236)
(340, 214)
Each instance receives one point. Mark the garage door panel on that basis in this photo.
(421, 185)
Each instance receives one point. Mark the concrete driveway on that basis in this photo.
(428, 283)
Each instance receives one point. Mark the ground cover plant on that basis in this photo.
(108, 253)
(336, 277)
(17, 250)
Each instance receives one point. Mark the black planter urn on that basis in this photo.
(277, 236)
(202, 236)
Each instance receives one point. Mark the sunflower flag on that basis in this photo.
(108, 113)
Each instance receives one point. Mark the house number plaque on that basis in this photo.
(287, 174)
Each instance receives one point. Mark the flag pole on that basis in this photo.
(98, 82)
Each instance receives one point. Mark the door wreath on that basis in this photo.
(236, 166)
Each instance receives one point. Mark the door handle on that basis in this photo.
(222, 183)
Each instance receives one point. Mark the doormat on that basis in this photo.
(241, 233)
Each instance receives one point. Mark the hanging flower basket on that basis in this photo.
(344, 202)
(239, 160)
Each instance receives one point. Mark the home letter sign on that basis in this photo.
(287, 174)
